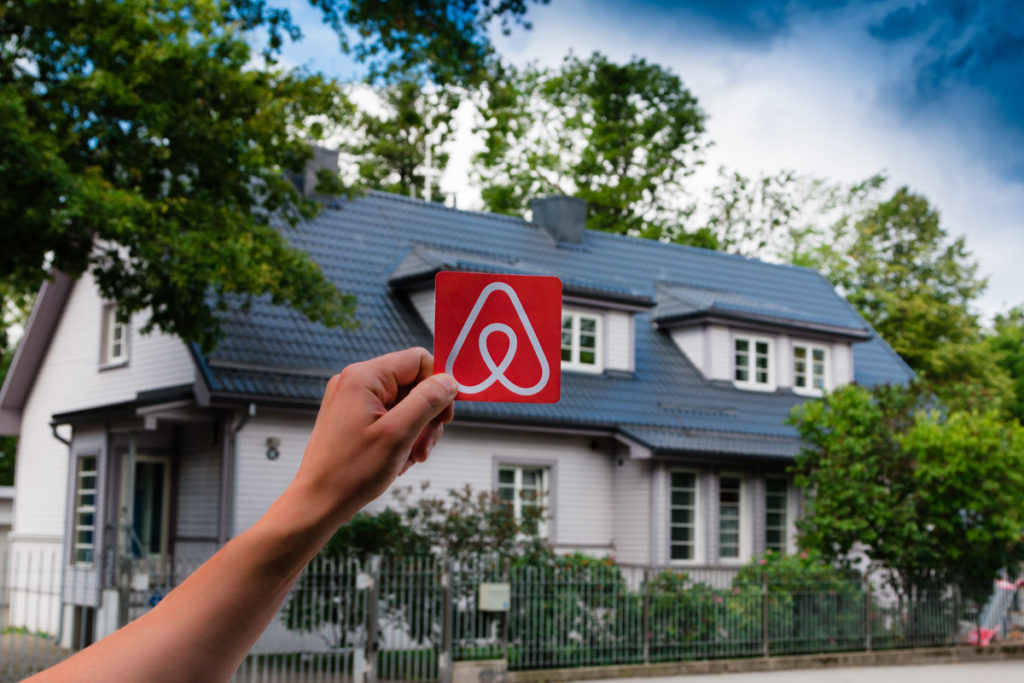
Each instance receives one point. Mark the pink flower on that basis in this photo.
(764, 561)
(803, 554)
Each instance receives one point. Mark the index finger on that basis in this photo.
(401, 368)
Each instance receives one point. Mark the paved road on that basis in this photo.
(989, 672)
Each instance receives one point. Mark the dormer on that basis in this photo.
(754, 343)
(598, 334)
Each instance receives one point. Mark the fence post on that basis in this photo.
(764, 613)
(867, 614)
(446, 659)
(956, 613)
(372, 600)
(125, 592)
(506, 571)
(646, 626)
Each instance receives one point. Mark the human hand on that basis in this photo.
(378, 418)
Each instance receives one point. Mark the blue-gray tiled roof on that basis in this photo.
(273, 353)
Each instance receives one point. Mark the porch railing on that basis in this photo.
(412, 619)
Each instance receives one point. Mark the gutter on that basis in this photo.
(233, 506)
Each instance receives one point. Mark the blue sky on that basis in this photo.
(931, 92)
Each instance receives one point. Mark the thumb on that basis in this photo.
(425, 402)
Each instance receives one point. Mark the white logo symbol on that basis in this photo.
(498, 370)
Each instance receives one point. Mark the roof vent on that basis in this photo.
(562, 217)
(305, 182)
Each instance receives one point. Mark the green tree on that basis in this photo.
(622, 137)
(915, 285)
(137, 143)
(14, 309)
(786, 217)
(462, 523)
(930, 497)
(391, 149)
(1005, 343)
(446, 41)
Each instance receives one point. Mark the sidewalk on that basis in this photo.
(990, 672)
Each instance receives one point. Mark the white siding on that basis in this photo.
(618, 340)
(260, 481)
(784, 360)
(660, 511)
(582, 486)
(691, 342)
(423, 302)
(633, 511)
(719, 352)
(69, 379)
(199, 482)
(842, 365)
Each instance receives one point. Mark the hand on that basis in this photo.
(377, 419)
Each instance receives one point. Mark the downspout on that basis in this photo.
(64, 564)
(234, 467)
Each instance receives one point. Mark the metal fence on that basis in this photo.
(410, 619)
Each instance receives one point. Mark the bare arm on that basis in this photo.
(377, 419)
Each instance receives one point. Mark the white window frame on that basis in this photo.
(698, 518)
(78, 509)
(517, 488)
(826, 375)
(574, 362)
(750, 383)
(787, 521)
(740, 536)
(111, 327)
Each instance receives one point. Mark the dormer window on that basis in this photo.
(114, 349)
(809, 368)
(581, 341)
(753, 363)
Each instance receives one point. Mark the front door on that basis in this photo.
(150, 506)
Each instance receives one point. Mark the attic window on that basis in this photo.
(114, 347)
(809, 367)
(581, 342)
(753, 363)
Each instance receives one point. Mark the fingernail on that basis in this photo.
(449, 383)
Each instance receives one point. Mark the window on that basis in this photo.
(809, 368)
(115, 337)
(581, 341)
(85, 511)
(524, 488)
(775, 511)
(683, 523)
(729, 517)
(753, 366)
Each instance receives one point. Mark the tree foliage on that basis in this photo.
(390, 148)
(929, 497)
(1005, 343)
(785, 217)
(137, 143)
(446, 41)
(914, 284)
(622, 137)
(461, 524)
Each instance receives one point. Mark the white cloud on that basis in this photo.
(817, 99)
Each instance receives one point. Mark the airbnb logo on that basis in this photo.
(517, 318)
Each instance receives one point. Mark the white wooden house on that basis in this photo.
(668, 446)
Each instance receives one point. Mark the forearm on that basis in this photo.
(203, 629)
(377, 419)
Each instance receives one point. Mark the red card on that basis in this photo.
(500, 336)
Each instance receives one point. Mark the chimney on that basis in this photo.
(305, 182)
(562, 217)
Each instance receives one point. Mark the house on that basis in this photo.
(668, 447)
